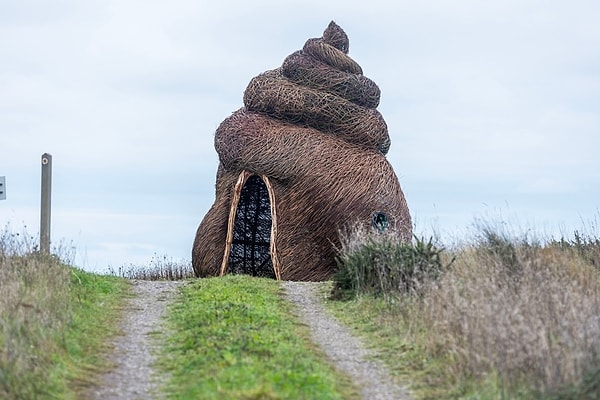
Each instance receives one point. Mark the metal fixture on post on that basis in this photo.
(2, 188)
(45, 206)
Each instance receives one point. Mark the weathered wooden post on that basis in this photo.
(45, 207)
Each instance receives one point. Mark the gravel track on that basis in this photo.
(134, 351)
(344, 350)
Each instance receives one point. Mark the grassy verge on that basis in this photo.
(53, 319)
(510, 318)
(236, 338)
(399, 339)
(97, 301)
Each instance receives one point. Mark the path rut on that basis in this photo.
(134, 351)
(345, 351)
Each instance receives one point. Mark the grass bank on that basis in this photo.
(508, 318)
(236, 338)
(53, 320)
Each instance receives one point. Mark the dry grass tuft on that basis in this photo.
(160, 268)
(523, 311)
(32, 310)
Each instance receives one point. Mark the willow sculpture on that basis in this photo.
(303, 160)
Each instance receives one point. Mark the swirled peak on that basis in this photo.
(336, 37)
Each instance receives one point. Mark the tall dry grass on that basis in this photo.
(522, 313)
(33, 290)
(159, 268)
(528, 313)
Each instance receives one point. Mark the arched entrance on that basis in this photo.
(250, 248)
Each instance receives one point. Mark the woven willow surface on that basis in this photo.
(311, 129)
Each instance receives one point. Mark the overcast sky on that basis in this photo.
(493, 108)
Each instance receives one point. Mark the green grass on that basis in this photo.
(97, 307)
(236, 338)
(53, 320)
(402, 342)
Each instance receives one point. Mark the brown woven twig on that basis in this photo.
(270, 93)
(336, 37)
(304, 70)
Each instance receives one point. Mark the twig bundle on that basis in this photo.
(270, 93)
(304, 70)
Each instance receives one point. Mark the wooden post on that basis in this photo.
(45, 207)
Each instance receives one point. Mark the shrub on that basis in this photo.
(380, 264)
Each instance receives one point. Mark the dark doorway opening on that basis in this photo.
(251, 243)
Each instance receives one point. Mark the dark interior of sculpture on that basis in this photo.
(250, 249)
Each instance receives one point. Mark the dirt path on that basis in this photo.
(134, 350)
(342, 348)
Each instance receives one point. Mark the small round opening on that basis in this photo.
(380, 221)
